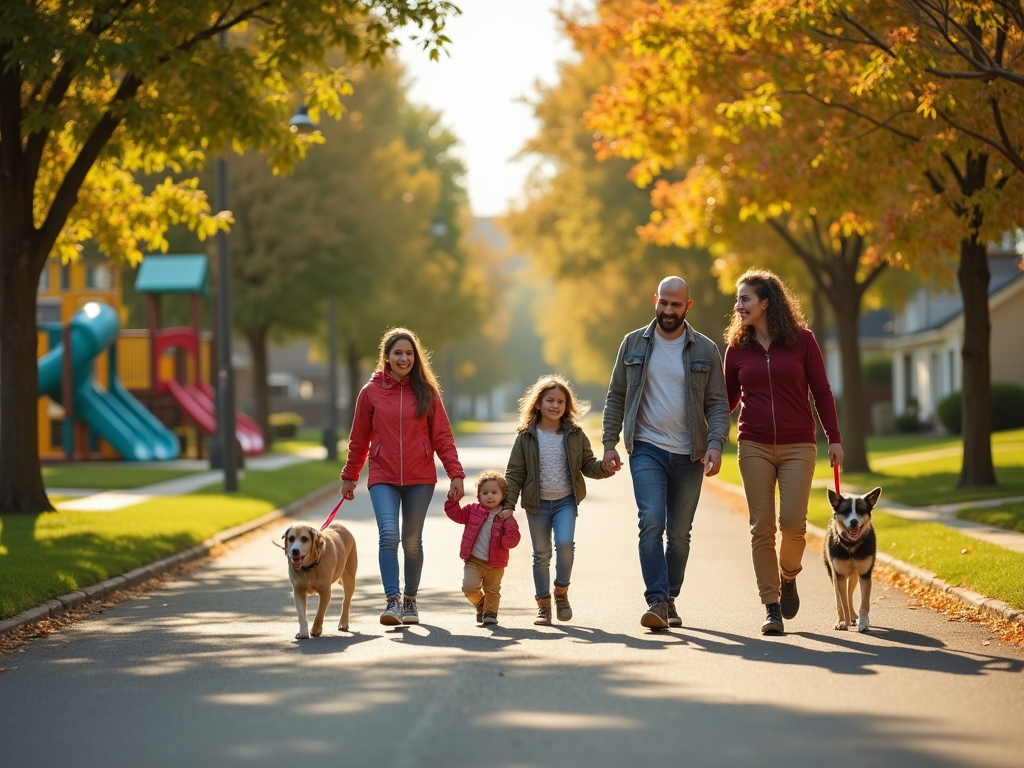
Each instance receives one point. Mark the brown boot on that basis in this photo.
(562, 603)
(543, 611)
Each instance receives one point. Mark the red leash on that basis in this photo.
(835, 471)
(334, 511)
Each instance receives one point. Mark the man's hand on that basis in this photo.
(835, 454)
(505, 514)
(456, 491)
(348, 489)
(612, 463)
(712, 462)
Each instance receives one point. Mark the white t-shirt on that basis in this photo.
(555, 482)
(482, 545)
(661, 418)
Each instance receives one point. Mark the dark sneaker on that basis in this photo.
(410, 615)
(490, 618)
(479, 611)
(790, 599)
(656, 616)
(773, 619)
(673, 614)
(392, 615)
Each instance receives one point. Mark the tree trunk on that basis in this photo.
(976, 410)
(355, 381)
(261, 392)
(21, 480)
(855, 454)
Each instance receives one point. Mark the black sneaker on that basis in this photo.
(673, 614)
(656, 616)
(773, 619)
(479, 611)
(790, 599)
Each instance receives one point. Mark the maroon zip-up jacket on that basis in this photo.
(772, 386)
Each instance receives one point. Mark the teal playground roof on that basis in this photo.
(180, 273)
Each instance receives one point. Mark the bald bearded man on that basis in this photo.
(667, 394)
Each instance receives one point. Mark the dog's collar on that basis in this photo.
(314, 565)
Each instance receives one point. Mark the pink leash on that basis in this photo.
(835, 471)
(334, 511)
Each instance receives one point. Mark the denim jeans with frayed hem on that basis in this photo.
(556, 517)
(411, 501)
(667, 488)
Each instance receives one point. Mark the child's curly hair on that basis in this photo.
(495, 475)
(529, 405)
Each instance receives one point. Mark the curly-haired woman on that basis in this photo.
(771, 364)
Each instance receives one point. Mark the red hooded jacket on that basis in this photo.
(504, 533)
(400, 444)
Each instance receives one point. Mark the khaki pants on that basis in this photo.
(761, 466)
(481, 582)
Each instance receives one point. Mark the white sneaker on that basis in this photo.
(392, 615)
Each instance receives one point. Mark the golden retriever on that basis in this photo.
(317, 559)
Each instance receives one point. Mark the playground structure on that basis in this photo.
(137, 394)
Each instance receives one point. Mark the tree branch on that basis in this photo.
(864, 116)
(813, 265)
(67, 194)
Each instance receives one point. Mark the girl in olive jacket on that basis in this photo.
(549, 459)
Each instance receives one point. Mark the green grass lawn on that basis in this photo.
(96, 475)
(1009, 516)
(307, 437)
(46, 555)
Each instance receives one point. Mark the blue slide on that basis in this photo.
(111, 413)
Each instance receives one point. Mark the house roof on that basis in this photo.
(180, 273)
(873, 324)
(1002, 273)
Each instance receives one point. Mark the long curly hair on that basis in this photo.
(785, 318)
(421, 377)
(529, 405)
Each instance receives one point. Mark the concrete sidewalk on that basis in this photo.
(108, 501)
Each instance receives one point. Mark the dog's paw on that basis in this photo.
(862, 623)
(302, 635)
(840, 625)
(317, 631)
(343, 628)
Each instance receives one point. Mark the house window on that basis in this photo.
(65, 277)
(99, 277)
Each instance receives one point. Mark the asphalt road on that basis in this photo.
(206, 671)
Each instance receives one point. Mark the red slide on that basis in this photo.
(198, 403)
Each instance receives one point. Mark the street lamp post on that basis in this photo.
(331, 426)
(223, 453)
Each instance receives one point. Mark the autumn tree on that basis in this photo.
(93, 93)
(347, 224)
(701, 83)
(948, 78)
(578, 225)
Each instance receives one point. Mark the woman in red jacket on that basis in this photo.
(771, 364)
(400, 423)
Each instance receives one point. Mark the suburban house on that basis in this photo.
(928, 336)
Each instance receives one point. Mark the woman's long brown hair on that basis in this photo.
(421, 377)
(785, 319)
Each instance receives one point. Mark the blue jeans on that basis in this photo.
(558, 517)
(413, 500)
(667, 489)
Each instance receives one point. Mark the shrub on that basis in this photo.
(877, 370)
(908, 421)
(1007, 408)
(285, 424)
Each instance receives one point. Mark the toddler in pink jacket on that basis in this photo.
(490, 533)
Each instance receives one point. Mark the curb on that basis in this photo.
(144, 573)
(987, 605)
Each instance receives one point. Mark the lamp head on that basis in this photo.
(300, 122)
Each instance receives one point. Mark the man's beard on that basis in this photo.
(670, 325)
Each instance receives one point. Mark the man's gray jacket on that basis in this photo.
(705, 399)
